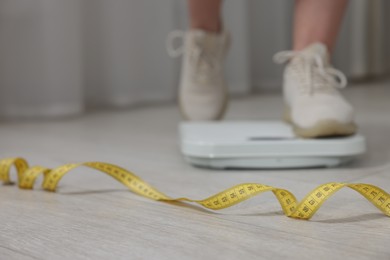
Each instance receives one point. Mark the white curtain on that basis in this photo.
(59, 57)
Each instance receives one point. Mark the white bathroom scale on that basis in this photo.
(263, 144)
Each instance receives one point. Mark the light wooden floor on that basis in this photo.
(93, 217)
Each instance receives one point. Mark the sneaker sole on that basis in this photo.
(324, 128)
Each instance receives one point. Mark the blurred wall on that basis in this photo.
(41, 57)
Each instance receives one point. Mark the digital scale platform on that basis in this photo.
(262, 145)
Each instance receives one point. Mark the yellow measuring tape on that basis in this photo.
(227, 198)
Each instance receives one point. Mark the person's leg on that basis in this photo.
(314, 105)
(203, 90)
(205, 15)
(317, 21)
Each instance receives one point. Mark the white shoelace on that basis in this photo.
(331, 77)
(203, 61)
(172, 36)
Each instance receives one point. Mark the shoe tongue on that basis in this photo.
(208, 41)
(197, 33)
(316, 49)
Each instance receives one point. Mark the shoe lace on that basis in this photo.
(315, 73)
(172, 36)
(205, 61)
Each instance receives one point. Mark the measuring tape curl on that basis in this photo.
(227, 198)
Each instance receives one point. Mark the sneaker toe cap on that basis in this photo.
(204, 108)
(309, 115)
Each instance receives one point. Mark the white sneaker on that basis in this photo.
(203, 93)
(314, 105)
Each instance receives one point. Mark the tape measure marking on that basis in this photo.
(227, 198)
